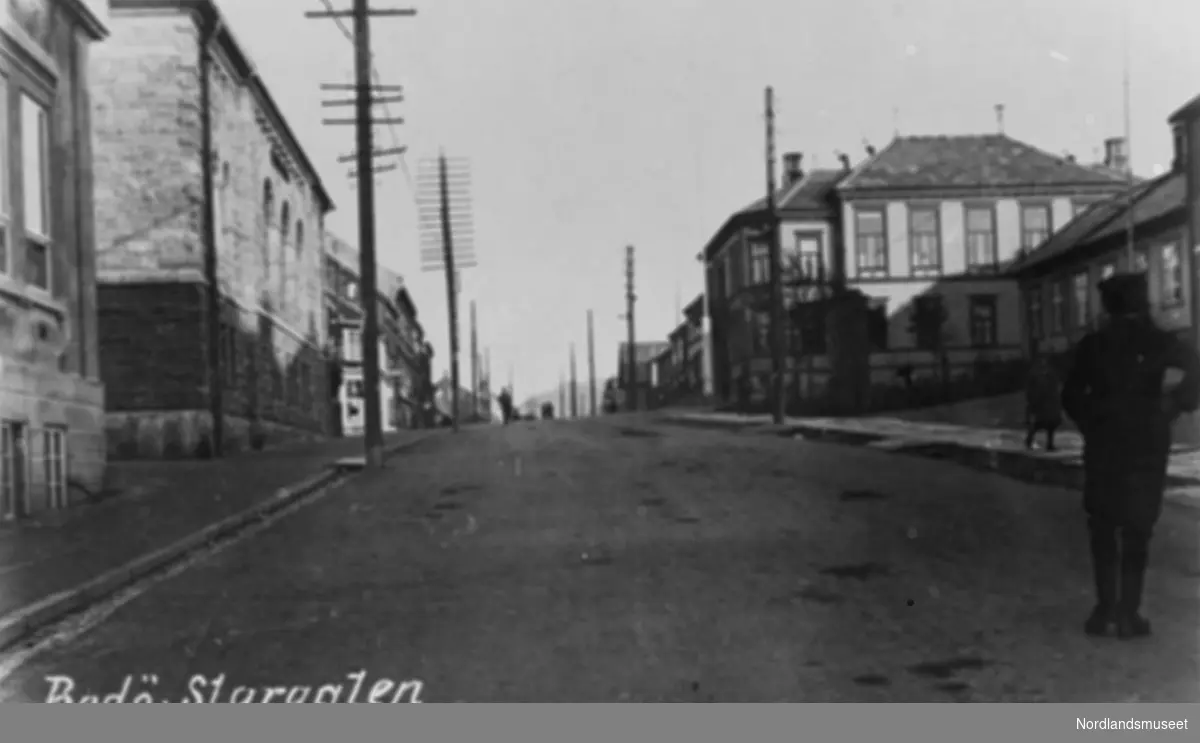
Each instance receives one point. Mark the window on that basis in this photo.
(268, 214)
(983, 320)
(352, 345)
(354, 389)
(1172, 276)
(299, 237)
(761, 326)
(1140, 261)
(1082, 291)
(806, 260)
(929, 321)
(981, 240)
(1035, 225)
(1107, 269)
(727, 274)
(351, 288)
(1058, 308)
(35, 166)
(760, 263)
(870, 237)
(54, 453)
(219, 214)
(5, 262)
(14, 470)
(877, 324)
(924, 241)
(1079, 207)
(1033, 305)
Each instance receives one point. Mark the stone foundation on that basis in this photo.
(185, 434)
(39, 397)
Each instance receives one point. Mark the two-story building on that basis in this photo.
(932, 223)
(737, 267)
(401, 342)
(1059, 279)
(923, 228)
(687, 349)
(210, 219)
(51, 397)
(1185, 133)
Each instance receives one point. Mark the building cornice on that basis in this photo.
(952, 193)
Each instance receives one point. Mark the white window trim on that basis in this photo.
(43, 239)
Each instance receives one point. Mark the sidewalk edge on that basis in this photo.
(1014, 465)
(18, 624)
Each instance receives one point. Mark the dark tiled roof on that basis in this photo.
(807, 194)
(968, 161)
(1152, 199)
(1155, 200)
(1188, 110)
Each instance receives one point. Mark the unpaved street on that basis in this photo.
(615, 560)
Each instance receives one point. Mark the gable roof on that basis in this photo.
(210, 14)
(807, 197)
(968, 161)
(1186, 111)
(1151, 199)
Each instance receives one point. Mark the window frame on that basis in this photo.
(1046, 208)
(1178, 276)
(816, 256)
(1035, 312)
(870, 270)
(973, 267)
(933, 269)
(991, 303)
(1059, 308)
(1081, 298)
(55, 466)
(760, 261)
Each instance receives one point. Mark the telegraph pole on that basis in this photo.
(631, 355)
(1130, 250)
(777, 335)
(562, 396)
(364, 123)
(444, 220)
(591, 368)
(476, 412)
(574, 386)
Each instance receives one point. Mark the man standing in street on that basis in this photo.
(1115, 394)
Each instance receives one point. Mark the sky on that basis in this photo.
(590, 126)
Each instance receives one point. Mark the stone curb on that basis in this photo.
(18, 624)
(1012, 464)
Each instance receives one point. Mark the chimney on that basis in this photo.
(1070, 157)
(1116, 154)
(870, 150)
(1000, 118)
(845, 160)
(792, 171)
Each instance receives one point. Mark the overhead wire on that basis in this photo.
(376, 79)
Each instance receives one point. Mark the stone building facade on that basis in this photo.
(51, 396)
(268, 207)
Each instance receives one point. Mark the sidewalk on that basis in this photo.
(161, 503)
(997, 449)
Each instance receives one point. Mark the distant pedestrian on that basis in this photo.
(1043, 403)
(1115, 394)
(506, 408)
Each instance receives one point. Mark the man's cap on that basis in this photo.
(1125, 292)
